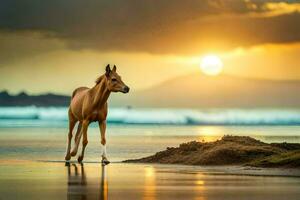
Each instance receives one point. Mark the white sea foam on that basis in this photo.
(46, 115)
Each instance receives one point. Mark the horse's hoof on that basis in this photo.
(79, 159)
(68, 157)
(73, 153)
(105, 162)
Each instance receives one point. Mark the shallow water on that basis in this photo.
(125, 142)
(32, 167)
(50, 180)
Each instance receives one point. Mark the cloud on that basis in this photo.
(16, 46)
(281, 8)
(163, 27)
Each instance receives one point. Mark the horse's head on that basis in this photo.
(114, 81)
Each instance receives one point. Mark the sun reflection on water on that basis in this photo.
(199, 182)
(210, 133)
(150, 184)
(199, 186)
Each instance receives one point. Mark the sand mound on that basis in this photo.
(230, 150)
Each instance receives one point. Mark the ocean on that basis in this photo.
(40, 133)
(57, 116)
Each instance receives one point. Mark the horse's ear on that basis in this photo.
(107, 70)
(114, 68)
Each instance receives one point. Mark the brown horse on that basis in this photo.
(90, 105)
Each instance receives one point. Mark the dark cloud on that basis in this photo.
(164, 26)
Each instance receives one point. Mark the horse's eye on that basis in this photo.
(113, 79)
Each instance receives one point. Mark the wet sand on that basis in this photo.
(73, 181)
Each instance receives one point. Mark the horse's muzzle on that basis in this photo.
(126, 89)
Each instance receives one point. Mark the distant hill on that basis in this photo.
(22, 99)
(194, 90)
(197, 90)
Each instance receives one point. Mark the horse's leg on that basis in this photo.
(78, 132)
(102, 126)
(77, 139)
(72, 123)
(85, 125)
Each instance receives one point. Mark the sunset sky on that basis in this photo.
(58, 45)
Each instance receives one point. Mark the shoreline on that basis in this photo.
(236, 170)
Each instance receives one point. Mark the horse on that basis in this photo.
(90, 105)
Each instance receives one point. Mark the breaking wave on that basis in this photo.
(46, 115)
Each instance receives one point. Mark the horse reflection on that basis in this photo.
(80, 189)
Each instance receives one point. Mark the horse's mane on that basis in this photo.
(99, 79)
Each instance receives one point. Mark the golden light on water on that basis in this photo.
(199, 182)
(149, 172)
(211, 65)
(150, 184)
(210, 133)
(199, 186)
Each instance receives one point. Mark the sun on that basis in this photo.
(211, 65)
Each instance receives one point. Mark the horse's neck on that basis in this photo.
(100, 93)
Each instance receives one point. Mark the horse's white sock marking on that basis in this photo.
(104, 151)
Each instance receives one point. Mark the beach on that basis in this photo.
(150, 100)
(32, 163)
